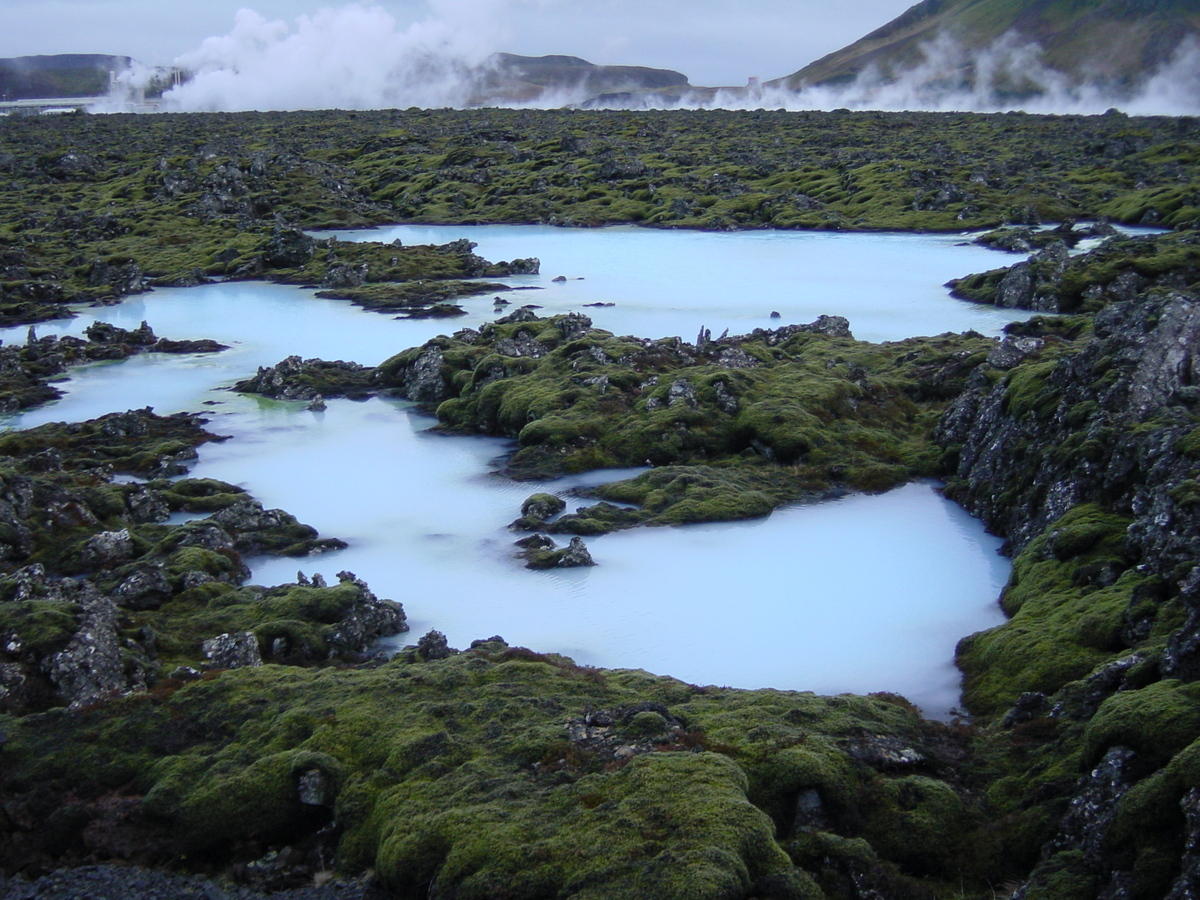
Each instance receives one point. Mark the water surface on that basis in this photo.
(862, 594)
(673, 282)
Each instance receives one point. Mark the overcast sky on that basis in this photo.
(713, 42)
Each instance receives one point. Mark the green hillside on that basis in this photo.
(1115, 43)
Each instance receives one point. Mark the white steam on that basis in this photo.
(1009, 75)
(355, 57)
(359, 57)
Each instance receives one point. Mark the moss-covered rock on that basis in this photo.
(549, 779)
(758, 419)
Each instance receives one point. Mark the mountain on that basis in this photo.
(513, 78)
(64, 75)
(1110, 43)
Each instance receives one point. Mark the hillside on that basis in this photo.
(530, 78)
(65, 75)
(1110, 43)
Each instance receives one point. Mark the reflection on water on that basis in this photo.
(862, 594)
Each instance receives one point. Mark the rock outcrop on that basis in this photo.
(95, 587)
(1085, 455)
(306, 379)
(26, 370)
(1108, 423)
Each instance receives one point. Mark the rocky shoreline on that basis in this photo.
(102, 598)
(158, 711)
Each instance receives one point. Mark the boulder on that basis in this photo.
(288, 248)
(542, 506)
(145, 587)
(232, 651)
(575, 555)
(107, 549)
(366, 620)
(434, 645)
(1012, 351)
(91, 667)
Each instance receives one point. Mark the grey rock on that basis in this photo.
(232, 651)
(423, 382)
(886, 752)
(146, 587)
(521, 314)
(576, 554)
(736, 358)
(316, 788)
(289, 248)
(1013, 350)
(434, 645)
(536, 542)
(521, 344)
(1130, 373)
(13, 686)
(344, 275)
(108, 548)
(725, 398)
(811, 814)
(120, 279)
(573, 326)
(681, 391)
(542, 506)
(1187, 884)
(90, 668)
(1093, 807)
(145, 506)
(366, 620)
(1029, 706)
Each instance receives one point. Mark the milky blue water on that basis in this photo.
(862, 594)
(662, 282)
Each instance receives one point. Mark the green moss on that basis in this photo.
(1064, 876)
(1157, 721)
(38, 627)
(920, 823)
(1189, 444)
(467, 772)
(797, 416)
(260, 802)
(1062, 626)
(1027, 392)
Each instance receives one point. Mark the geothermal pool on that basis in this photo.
(890, 286)
(862, 594)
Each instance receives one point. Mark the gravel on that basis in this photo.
(127, 883)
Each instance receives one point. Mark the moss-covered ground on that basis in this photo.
(734, 427)
(502, 772)
(95, 207)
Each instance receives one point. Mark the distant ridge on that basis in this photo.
(1111, 43)
(63, 75)
(528, 78)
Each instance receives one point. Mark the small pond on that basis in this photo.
(862, 594)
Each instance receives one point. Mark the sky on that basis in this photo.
(713, 42)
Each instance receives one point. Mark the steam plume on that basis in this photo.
(1008, 75)
(358, 57)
